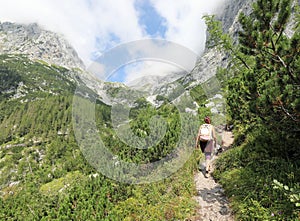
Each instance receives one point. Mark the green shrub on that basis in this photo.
(248, 176)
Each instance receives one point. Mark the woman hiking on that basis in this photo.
(207, 137)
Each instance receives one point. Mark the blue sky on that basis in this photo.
(94, 27)
(154, 24)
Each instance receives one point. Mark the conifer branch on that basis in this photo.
(288, 114)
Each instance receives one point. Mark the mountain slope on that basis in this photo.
(51, 49)
(42, 167)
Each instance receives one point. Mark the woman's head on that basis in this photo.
(207, 120)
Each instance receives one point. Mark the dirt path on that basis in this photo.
(213, 204)
(212, 201)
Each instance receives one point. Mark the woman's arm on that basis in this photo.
(197, 138)
(214, 135)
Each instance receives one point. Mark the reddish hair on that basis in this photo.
(207, 120)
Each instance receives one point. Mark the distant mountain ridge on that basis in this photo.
(153, 82)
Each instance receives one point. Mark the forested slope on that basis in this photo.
(44, 174)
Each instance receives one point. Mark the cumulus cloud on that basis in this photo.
(93, 27)
(184, 20)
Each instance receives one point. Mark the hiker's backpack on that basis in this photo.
(205, 132)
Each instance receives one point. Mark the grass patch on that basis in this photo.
(170, 199)
(60, 184)
(248, 176)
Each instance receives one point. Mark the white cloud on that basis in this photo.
(160, 53)
(160, 58)
(149, 68)
(184, 20)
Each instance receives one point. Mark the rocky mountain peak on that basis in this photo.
(208, 63)
(38, 44)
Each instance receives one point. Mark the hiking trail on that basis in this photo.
(213, 204)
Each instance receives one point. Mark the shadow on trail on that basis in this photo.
(214, 195)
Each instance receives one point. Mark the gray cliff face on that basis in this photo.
(39, 44)
(206, 66)
(229, 14)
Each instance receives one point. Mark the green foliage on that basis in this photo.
(263, 102)
(264, 84)
(198, 94)
(166, 200)
(293, 193)
(247, 174)
(162, 125)
(60, 184)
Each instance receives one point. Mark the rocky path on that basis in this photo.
(213, 204)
